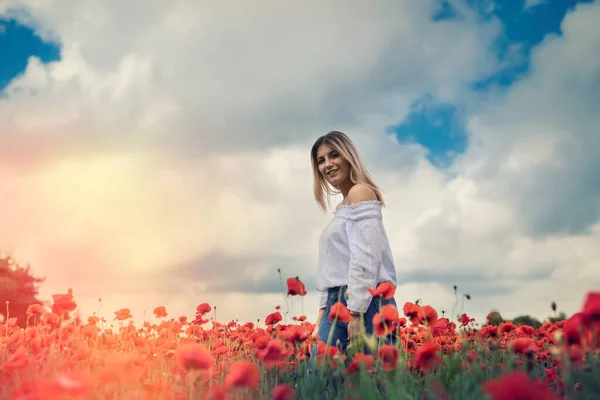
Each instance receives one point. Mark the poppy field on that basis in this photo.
(61, 356)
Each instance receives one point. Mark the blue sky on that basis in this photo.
(437, 126)
(440, 127)
(17, 44)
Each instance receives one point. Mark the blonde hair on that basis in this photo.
(358, 171)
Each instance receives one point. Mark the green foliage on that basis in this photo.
(560, 317)
(458, 377)
(495, 318)
(527, 320)
(18, 290)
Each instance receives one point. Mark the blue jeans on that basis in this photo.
(340, 331)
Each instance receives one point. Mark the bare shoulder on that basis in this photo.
(361, 192)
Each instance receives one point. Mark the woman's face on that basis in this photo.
(332, 166)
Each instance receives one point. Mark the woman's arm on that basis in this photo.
(319, 319)
(366, 249)
(322, 307)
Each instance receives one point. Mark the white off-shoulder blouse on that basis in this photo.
(354, 250)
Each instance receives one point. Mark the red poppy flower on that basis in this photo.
(442, 327)
(571, 329)
(385, 321)
(193, 356)
(295, 287)
(295, 334)
(506, 327)
(283, 392)
(272, 353)
(160, 312)
(35, 309)
(123, 314)
(517, 385)
(427, 356)
(63, 302)
(388, 355)
(591, 307)
(429, 315)
(385, 290)
(521, 345)
(360, 359)
(414, 313)
(339, 309)
(465, 320)
(243, 373)
(273, 318)
(329, 351)
(203, 309)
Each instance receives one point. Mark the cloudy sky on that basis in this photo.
(157, 153)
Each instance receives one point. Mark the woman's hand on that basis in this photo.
(355, 327)
(319, 319)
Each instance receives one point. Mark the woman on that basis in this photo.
(354, 252)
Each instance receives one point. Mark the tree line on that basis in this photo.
(19, 289)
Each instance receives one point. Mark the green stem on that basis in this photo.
(6, 327)
(192, 381)
(455, 303)
(285, 299)
(330, 336)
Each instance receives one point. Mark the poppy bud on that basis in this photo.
(371, 343)
(529, 353)
(558, 336)
(555, 351)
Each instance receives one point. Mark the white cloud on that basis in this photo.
(540, 140)
(236, 77)
(529, 4)
(186, 131)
